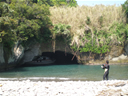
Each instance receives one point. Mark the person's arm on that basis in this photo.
(102, 66)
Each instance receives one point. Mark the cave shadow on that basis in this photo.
(61, 57)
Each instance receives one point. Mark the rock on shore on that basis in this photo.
(66, 88)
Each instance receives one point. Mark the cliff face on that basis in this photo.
(19, 55)
(10, 59)
(117, 55)
(1, 55)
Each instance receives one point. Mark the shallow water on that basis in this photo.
(66, 72)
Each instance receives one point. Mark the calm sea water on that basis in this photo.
(66, 72)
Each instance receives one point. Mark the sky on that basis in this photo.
(104, 2)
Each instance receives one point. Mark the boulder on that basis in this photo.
(116, 51)
(115, 59)
(121, 57)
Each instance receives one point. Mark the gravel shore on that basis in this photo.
(65, 88)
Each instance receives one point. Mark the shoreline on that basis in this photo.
(55, 79)
(104, 63)
(65, 88)
(111, 62)
(92, 63)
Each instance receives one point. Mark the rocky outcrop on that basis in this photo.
(17, 53)
(9, 58)
(121, 57)
(116, 55)
(20, 54)
(29, 54)
(115, 52)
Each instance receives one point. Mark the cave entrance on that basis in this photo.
(61, 57)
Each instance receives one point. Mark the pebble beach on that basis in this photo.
(65, 88)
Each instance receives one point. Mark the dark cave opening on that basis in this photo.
(61, 57)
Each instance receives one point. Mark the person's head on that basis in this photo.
(107, 62)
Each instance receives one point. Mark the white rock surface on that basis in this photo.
(67, 88)
(17, 53)
(121, 57)
(30, 54)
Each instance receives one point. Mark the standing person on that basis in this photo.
(106, 70)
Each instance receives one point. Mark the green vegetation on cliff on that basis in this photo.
(85, 29)
(93, 29)
(23, 20)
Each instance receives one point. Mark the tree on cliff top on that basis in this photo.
(71, 3)
(22, 20)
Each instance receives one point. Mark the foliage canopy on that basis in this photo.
(22, 20)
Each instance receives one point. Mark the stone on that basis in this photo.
(116, 51)
(121, 57)
(115, 59)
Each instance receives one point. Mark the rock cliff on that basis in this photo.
(19, 55)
